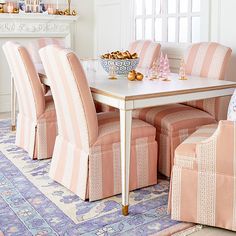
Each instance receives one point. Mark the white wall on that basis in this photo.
(223, 29)
(85, 28)
(113, 24)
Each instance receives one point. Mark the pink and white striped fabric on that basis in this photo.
(148, 52)
(36, 123)
(203, 183)
(209, 60)
(174, 123)
(37, 44)
(205, 60)
(86, 157)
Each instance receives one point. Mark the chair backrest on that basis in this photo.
(148, 52)
(37, 44)
(209, 60)
(232, 108)
(76, 114)
(27, 82)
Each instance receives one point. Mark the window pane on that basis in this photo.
(196, 5)
(158, 29)
(171, 29)
(196, 29)
(139, 29)
(148, 29)
(171, 6)
(139, 7)
(148, 7)
(158, 6)
(183, 6)
(183, 30)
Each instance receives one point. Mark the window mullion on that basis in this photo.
(153, 19)
(143, 19)
(190, 21)
(164, 20)
(177, 21)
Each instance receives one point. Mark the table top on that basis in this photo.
(131, 90)
(124, 89)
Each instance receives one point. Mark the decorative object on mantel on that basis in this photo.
(8, 7)
(31, 6)
(182, 73)
(35, 6)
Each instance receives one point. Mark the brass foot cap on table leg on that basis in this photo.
(125, 210)
(13, 128)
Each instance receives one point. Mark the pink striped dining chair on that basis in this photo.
(148, 52)
(203, 182)
(37, 44)
(174, 123)
(86, 157)
(36, 121)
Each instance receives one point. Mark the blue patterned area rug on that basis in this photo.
(32, 204)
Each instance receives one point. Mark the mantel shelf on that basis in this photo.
(37, 17)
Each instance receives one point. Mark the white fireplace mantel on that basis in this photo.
(38, 25)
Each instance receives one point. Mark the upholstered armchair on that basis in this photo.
(36, 121)
(203, 183)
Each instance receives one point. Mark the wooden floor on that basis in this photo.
(208, 231)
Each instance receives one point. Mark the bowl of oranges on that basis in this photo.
(119, 63)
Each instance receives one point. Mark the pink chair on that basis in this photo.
(203, 183)
(37, 44)
(148, 52)
(36, 122)
(174, 123)
(86, 157)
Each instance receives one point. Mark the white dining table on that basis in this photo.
(128, 95)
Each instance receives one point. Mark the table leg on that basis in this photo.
(13, 105)
(125, 140)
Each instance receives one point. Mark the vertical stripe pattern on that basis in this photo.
(174, 123)
(207, 187)
(87, 140)
(37, 44)
(35, 122)
(208, 60)
(147, 51)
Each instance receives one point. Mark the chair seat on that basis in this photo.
(186, 153)
(173, 123)
(109, 129)
(174, 117)
(105, 162)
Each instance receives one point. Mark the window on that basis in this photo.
(170, 21)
